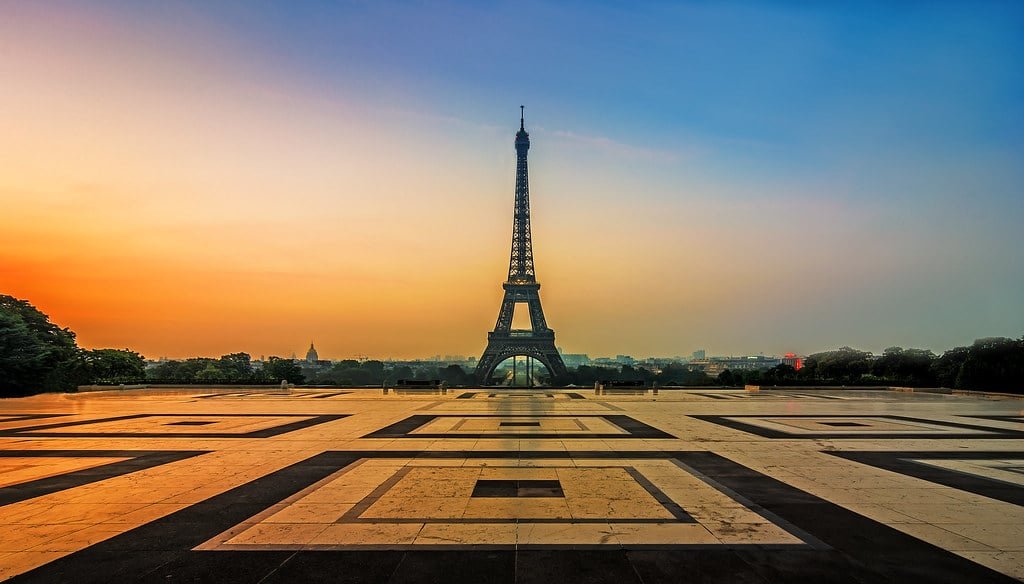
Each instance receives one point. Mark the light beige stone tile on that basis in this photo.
(379, 534)
(467, 533)
(309, 513)
(565, 534)
(517, 508)
(663, 534)
(18, 563)
(272, 534)
(750, 533)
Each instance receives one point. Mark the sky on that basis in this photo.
(199, 178)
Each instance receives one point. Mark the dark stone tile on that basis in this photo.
(697, 567)
(100, 567)
(513, 488)
(456, 567)
(222, 567)
(800, 566)
(494, 488)
(345, 567)
(576, 566)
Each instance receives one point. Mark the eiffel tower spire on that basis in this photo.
(520, 265)
(521, 288)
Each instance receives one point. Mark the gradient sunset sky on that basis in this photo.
(198, 178)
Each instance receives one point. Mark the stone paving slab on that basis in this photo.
(485, 484)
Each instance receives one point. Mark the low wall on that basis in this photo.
(203, 386)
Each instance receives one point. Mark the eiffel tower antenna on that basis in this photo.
(521, 287)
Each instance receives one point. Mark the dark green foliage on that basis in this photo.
(781, 374)
(35, 354)
(993, 364)
(235, 366)
(114, 365)
(946, 369)
(277, 370)
(400, 372)
(911, 367)
(677, 374)
(350, 372)
(454, 375)
(844, 365)
(673, 374)
(188, 370)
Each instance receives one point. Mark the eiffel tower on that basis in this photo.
(538, 342)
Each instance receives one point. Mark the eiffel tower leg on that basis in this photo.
(501, 347)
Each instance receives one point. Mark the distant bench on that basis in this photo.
(419, 384)
(622, 384)
(621, 387)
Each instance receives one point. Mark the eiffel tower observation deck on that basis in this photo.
(521, 289)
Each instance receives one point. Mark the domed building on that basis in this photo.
(311, 355)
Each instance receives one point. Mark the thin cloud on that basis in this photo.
(620, 149)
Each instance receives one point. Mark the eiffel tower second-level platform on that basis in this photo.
(521, 289)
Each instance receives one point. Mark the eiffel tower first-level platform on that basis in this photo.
(521, 288)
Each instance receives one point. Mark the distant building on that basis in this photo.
(699, 354)
(575, 359)
(616, 361)
(311, 355)
(715, 365)
(793, 361)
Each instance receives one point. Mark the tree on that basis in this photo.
(678, 374)
(781, 374)
(909, 367)
(114, 365)
(235, 366)
(35, 354)
(725, 378)
(454, 375)
(210, 373)
(993, 364)
(373, 367)
(23, 356)
(400, 372)
(844, 365)
(278, 369)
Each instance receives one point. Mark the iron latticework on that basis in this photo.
(520, 265)
(537, 342)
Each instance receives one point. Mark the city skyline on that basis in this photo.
(196, 179)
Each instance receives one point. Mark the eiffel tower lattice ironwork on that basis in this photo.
(538, 342)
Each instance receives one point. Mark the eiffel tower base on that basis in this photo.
(503, 346)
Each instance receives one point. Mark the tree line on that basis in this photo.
(989, 364)
(37, 355)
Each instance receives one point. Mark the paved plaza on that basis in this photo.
(487, 485)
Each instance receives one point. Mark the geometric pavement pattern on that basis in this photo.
(511, 486)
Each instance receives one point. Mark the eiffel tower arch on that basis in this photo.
(521, 288)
